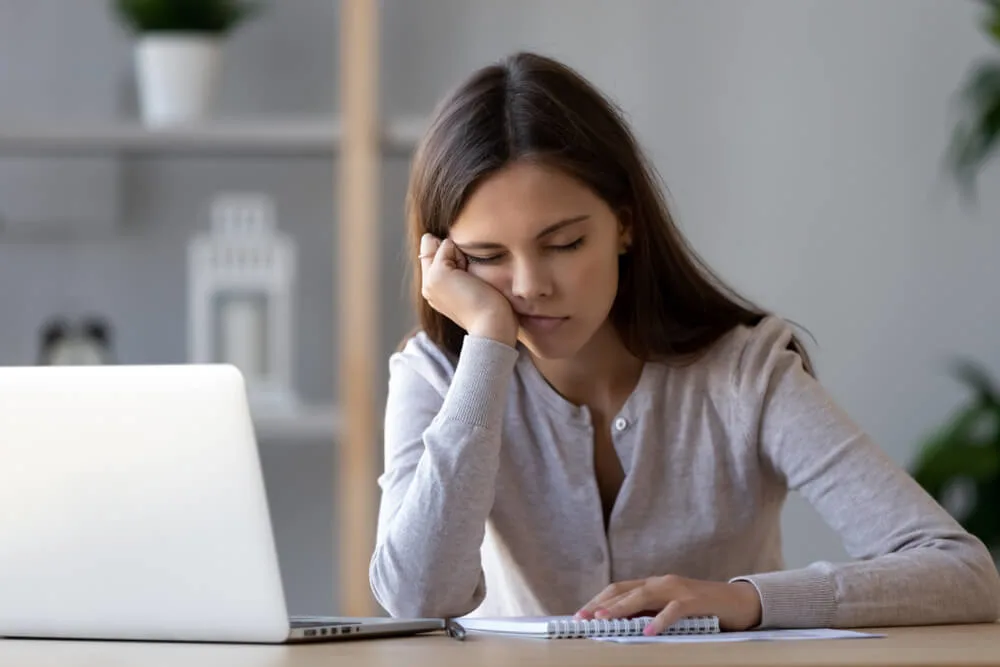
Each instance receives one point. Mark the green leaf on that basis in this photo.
(991, 19)
(978, 380)
(977, 135)
(983, 519)
(959, 460)
(206, 16)
(958, 450)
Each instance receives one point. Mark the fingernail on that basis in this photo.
(601, 613)
(648, 631)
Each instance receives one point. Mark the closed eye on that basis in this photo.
(569, 246)
(492, 259)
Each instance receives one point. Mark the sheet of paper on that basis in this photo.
(751, 636)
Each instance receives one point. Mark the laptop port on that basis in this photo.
(310, 633)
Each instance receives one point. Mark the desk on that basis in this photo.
(954, 645)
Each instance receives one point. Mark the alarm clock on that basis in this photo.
(84, 342)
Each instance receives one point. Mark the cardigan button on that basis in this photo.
(621, 424)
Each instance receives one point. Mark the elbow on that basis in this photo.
(987, 586)
(406, 608)
(408, 595)
(982, 584)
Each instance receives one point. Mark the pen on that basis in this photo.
(454, 630)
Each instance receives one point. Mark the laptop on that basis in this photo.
(133, 507)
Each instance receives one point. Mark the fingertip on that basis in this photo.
(426, 242)
(662, 621)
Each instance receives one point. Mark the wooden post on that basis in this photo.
(358, 288)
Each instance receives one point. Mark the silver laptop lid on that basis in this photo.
(132, 506)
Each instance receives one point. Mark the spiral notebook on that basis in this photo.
(566, 627)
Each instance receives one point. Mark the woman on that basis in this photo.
(588, 423)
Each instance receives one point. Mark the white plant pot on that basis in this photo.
(177, 75)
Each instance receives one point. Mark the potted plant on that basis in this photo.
(977, 134)
(178, 53)
(960, 463)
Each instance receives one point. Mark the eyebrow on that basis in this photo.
(551, 229)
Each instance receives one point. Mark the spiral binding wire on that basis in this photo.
(623, 627)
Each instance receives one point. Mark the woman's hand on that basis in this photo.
(670, 598)
(469, 302)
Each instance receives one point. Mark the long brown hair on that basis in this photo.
(669, 304)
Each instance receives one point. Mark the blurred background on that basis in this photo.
(803, 144)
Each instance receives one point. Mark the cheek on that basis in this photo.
(594, 276)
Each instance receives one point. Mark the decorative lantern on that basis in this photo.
(240, 306)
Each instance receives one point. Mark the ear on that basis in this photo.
(624, 231)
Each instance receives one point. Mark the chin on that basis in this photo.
(551, 347)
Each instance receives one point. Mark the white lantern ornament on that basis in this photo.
(242, 277)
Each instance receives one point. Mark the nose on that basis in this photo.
(531, 280)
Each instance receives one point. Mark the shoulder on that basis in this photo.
(422, 358)
(752, 368)
(748, 356)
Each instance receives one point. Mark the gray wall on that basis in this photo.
(800, 141)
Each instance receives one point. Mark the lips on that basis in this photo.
(540, 323)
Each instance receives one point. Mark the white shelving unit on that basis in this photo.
(276, 136)
(313, 136)
(360, 142)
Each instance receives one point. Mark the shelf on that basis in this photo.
(318, 136)
(310, 423)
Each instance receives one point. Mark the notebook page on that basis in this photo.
(526, 625)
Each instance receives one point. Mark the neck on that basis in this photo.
(601, 375)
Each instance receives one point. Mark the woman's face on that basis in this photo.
(551, 246)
